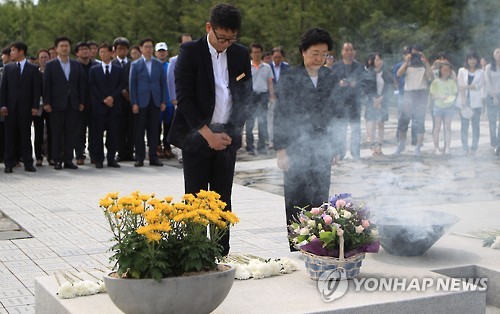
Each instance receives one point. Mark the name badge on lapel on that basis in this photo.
(241, 76)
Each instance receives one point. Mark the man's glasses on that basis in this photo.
(223, 40)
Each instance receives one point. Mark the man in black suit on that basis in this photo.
(214, 85)
(106, 84)
(121, 46)
(82, 52)
(63, 97)
(19, 101)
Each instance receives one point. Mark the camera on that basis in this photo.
(416, 59)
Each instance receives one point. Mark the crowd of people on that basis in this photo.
(117, 93)
(128, 93)
(202, 99)
(415, 87)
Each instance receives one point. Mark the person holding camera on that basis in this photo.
(418, 74)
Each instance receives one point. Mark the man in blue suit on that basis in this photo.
(106, 85)
(148, 96)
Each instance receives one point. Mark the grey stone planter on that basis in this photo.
(186, 294)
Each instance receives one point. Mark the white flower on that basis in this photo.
(66, 291)
(346, 214)
(275, 267)
(258, 269)
(359, 229)
(304, 231)
(102, 287)
(311, 223)
(287, 265)
(333, 212)
(374, 233)
(242, 272)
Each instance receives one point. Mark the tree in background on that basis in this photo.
(455, 26)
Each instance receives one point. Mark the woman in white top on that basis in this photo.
(470, 81)
(492, 81)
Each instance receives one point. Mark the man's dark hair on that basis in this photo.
(91, 43)
(278, 49)
(81, 44)
(61, 38)
(136, 47)
(19, 45)
(184, 35)
(145, 40)
(315, 36)
(225, 16)
(121, 41)
(266, 54)
(257, 46)
(105, 46)
(6, 51)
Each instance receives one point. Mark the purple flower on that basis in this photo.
(337, 197)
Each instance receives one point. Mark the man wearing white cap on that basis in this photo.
(161, 53)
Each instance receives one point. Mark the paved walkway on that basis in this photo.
(60, 208)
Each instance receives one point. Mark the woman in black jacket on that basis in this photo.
(303, 113)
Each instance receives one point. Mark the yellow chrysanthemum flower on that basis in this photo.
(168, 199)
(105, 202)
(113, 195)
(137, 209)
(153, 236)
(114, 209)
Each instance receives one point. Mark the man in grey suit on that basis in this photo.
(148, 96)
(63, 97)
(19, 101)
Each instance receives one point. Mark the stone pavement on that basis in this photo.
(60, 208)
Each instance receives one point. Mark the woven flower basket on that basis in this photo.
(316, 264)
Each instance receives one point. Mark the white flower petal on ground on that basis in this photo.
(66, 291)
(275, 267)
(287, 265)
(102, 287)
(242, 272)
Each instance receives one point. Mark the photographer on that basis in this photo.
(418, 74)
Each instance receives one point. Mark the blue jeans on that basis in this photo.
(464, 131)
(493, 116)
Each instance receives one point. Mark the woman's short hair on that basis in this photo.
(315, 36)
